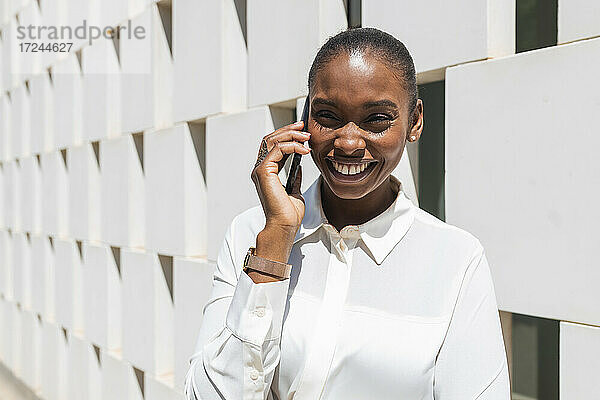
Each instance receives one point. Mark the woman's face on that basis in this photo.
(359, 122)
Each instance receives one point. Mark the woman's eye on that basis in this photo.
(325, 114)
(379, 118)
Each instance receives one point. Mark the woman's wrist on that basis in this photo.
(275, 243)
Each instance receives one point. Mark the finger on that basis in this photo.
(287, 136)
(294, 125)
(279, 153)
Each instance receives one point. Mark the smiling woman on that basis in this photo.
(349, 291)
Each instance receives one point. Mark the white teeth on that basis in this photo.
(349, 169)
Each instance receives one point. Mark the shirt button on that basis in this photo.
(254, 375)
(259, 312)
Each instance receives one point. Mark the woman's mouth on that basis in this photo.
(347, 171)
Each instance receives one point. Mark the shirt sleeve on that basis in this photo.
(237, 350)
(472, 363)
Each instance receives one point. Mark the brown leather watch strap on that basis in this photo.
(254, 262)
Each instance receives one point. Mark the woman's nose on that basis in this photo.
(349, 140)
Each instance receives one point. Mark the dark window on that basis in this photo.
(536, 24)
(535, 349)
(431, 152)
(353, 11)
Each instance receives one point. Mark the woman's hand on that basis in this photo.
(283, 212)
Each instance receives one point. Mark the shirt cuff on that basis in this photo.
(256, 311)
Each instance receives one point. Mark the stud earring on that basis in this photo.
(413, 138)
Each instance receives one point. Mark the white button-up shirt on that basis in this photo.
(400, 307)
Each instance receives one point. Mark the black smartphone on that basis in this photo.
(297, 157)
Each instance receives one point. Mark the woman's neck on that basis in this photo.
(343, 212)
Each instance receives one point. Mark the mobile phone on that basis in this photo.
(297, 157)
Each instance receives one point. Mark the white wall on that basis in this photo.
(522, 175)
(578, 19)
(579, 361)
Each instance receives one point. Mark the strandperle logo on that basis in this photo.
(84, 31)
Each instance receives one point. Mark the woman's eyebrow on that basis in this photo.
(320, 100)
(380, 103)
(370, 104)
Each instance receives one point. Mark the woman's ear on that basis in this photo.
(416, 122)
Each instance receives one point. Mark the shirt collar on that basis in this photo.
(380, 234)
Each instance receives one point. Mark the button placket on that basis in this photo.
(329, 319)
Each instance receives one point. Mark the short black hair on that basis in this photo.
(380, 44)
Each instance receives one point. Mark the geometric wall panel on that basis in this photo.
(6, 265)
(42, 277)
(102, 296)
(455, 32)
(55, 211)
(118, 379)
(101, 91)
(68, 285)
(53, 13)
(68, 94)
(579, 361)
(21, 257)
(146, 75)
(122, 191)
(11, 194)
(12, 338)
(526, 183)
(84, 370)
(192, 283)
(156, 389)
(21, 117)
(3, 65)
(147, 312)
(84, 192)
(578, 19)
(5, 126)
(54, 362)
(201, 88)
(270, 38)
(116, 11)
(6, 334)
(29, 13)
(11, 56)
(31, 350)
(31, 194)
(2, 195)
(42, 113)
(175, 191)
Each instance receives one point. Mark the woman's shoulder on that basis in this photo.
(443, 232)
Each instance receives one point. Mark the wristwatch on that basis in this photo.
(256, 263)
